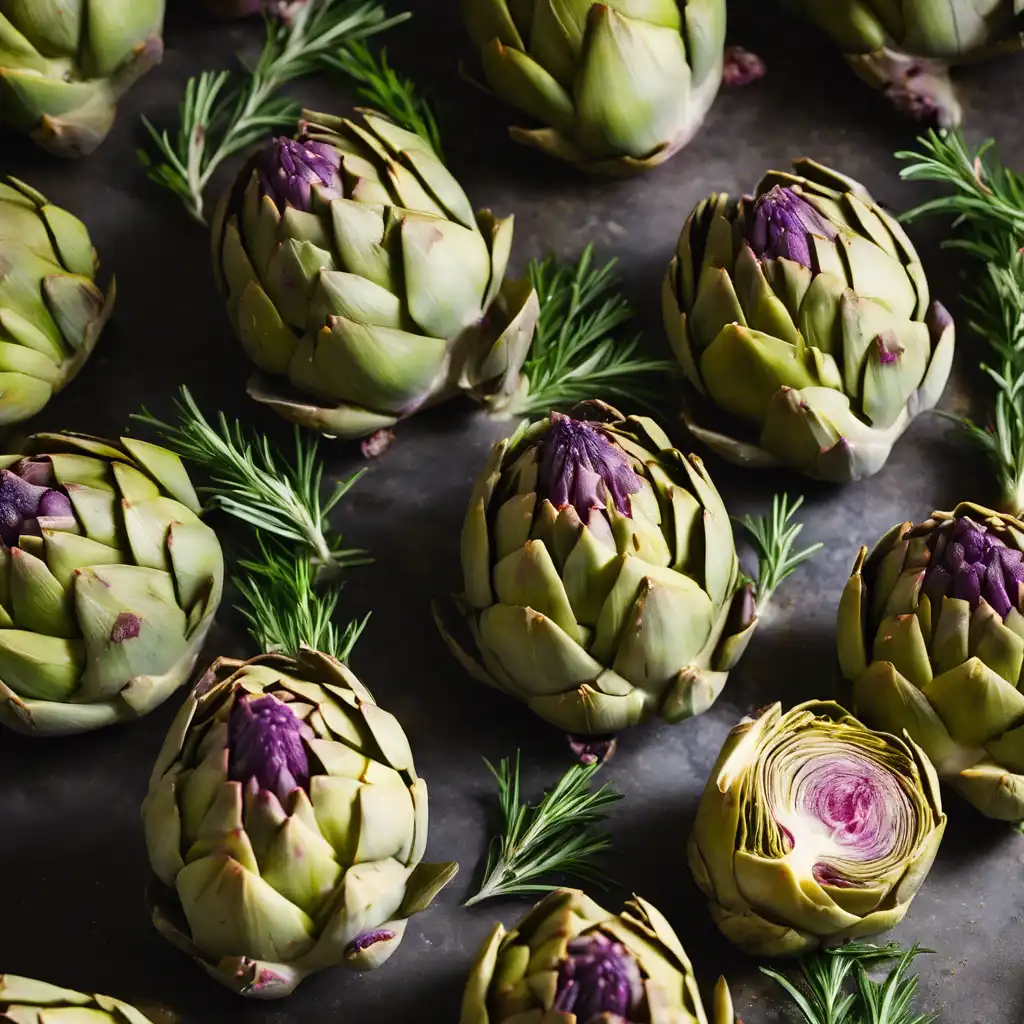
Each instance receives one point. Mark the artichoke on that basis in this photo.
(569, 960)
(51, 311)
(906, 49)
(803, 315)
(108, 582)
(602, 584)
(26, 1001)
(931, 634)
(65, 63)
(286, 825)
(813, 830)
(356, 272)
(618, 87)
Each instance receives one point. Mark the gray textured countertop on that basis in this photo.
(71, 849)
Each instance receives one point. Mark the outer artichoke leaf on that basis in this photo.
(716, 305)
(481, 974)
(588, 576)
(589, 711)
(116, 31)
(876, 275)
(539, 657)
(720, 563)
(132, 625)
(76, 305)
(796, 431)
(267, 339)
(148, 524)
(39, 603)
(996, 792)
(490, 19)
(556, 36)
(705, 22)
(447, 271)
(335, 802)
(17, 51)
(776, 887)
(512, 524)
(850, 640)
(369, 896)
(633, 90)
(765, 311)
(416, 152)
(899, 640)
(975, 704)
(40, 667)
(854, 26)
(523, 83)
(167, 469)
(676, 322)
(528, 578)
(951, 635)
(691, 693)
(1008, 750)
(390, 737)
(669, 625)
(386, 818)
(199, 788)
(132, 484)
(23, 396)
(819, 318)
(197, 564)
(291, 276)
(379, 368)
(230, 909)
(71, 240)
(83, 469)
(943, 336)
(743, 369)
(1001, 649)
(894, 369)
(300, 865)
(162, 826)
(41, 338)
(339, 293)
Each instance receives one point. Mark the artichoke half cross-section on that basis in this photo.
(617, 87)
(801, 316)
(361, 282)
(109, 582)
(601, 580)
(64, 64)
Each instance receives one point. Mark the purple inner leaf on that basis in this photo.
(267, 746)
(23, 502)
(782, 224)
(598, 977)
(969, 562)
(582, 468)
(289, 169)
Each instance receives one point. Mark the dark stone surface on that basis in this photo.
(71, 850)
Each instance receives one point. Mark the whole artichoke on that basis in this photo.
(906, 49)
(286, 825)
(569, 960)
(51, 311)
(803, 314)
(618, 87)
(26, 1001)
(356, 271)
(602, 584)
(64, 64)
(813, 830)
(932, 637)
(108, 582)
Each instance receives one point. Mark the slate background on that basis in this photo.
(71, 850)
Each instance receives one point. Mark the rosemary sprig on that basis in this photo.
(221, 115)
(774, 537)
(579, 350)
(556, 836)
(387, 90)
(284, 610)
(258, 485)
(985, 200)
(822, 993)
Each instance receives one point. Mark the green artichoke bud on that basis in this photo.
(619, 87)
(906, 49)
(601, 580)
(356, 270)
(931, 634)
(51, 311)
(65, 63)
(813, 830)
(108, 582)
(35, 1002)
(286, 825)
(569, 960)
(803, 314)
